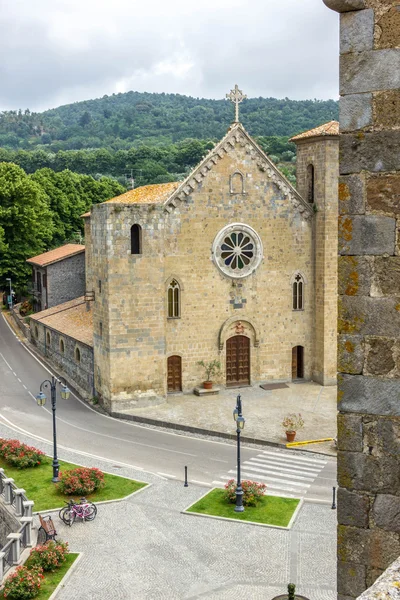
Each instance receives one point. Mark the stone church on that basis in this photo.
(233, 264)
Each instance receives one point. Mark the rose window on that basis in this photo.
(237, 250)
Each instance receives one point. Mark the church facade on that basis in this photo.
(233, 265)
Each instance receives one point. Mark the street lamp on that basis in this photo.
(41, 401)
(240, 421)
(10, 304)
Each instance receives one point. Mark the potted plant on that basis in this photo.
(211, 368)
(291, 424)
(291, 595)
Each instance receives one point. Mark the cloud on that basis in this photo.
(60, 51)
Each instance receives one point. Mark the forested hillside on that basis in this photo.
(118, 121)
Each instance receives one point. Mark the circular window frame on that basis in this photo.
(217, 250)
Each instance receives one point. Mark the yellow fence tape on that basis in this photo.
(309, 442)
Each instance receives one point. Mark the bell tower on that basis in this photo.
(317, 183)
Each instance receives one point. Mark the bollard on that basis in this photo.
(186, 481)
(334, 498)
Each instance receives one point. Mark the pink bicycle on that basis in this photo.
(85, 510)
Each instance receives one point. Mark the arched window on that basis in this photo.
(48, 338)
(136, 239)
(77, 355)
(310, 184)
(298, 292)
(237, 183)
(62, 347)
(36, 332)
(174, 300)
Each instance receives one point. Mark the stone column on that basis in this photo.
(28, 507)
(28, 530)
(369, 292)
(8, 481)
(16, 547)
(19, 509)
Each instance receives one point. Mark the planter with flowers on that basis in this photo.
(291, 424)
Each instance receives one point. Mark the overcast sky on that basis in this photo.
(58, 51)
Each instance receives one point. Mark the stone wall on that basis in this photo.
(66, 280)
(386, 586)
(369, 292)
(63, 356)
(8, 523)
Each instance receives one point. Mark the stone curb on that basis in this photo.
(165, 424)
(67, 575)
(54, 510)
(254, 523)
(207, 432)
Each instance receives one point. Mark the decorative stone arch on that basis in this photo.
(294, 274)
(177, 279)
(237, 178)
(235, 326)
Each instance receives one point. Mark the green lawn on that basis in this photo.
(51, 580)
(271, 510)
(36, 481)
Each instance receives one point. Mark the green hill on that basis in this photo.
(119, 121)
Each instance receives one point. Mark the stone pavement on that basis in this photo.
(143, 548)
(263, 411)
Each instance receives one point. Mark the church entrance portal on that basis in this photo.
(238, 361)
(174, 374)
(297, 362)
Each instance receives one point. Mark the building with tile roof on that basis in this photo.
(232, 264)
(58, 276)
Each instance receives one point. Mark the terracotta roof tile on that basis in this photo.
(147, 194)
(71, 318)
(47, 258)
(331, 128)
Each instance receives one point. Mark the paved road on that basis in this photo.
(164, 453)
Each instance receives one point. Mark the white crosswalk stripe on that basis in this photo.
(286, 473)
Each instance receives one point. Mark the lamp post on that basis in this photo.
(240, 421)
(10, 304)
(41, 401)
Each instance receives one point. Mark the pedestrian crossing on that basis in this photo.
(285, 473)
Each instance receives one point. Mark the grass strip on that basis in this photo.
(36, 481)
(51, 580)
(270, 510)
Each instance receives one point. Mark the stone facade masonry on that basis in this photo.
(65, 281)
(133, 337)
(369, 293)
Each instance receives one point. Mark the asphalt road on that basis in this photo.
(82, 429)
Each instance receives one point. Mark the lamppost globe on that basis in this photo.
(41, 399)
(240, 422)
(65, 392)
(235, 414)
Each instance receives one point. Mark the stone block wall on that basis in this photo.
(369, 292)
(63, 356)
(66, 280)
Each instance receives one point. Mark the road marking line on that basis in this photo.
(288, 463)
(14, 373)
(166, 475)
(200, 482)
(276, 480)
(267, 471)
(281, 456)
(274, 486)
(24, 386)
(19, 380)
(280, 469)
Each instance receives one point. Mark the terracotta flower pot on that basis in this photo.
(290, 435)
(207, 385)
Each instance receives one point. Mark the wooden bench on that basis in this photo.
(47, 527)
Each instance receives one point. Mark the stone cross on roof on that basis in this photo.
(237, 97)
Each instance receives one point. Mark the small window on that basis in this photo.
(99, 286)
(62, 347)
(136, 239)
(310, 184)
(44, 280)
(38, 281)
(36, 332)
(48, 338)
(174, 300)
(101, 329)
(298, 292)
(237, 183)
(77, 355)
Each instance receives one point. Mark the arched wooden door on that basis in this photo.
(174, 374)
(297, 362)
(238, 360)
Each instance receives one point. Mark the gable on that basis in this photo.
(237, 135)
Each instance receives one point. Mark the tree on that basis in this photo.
(26, 224)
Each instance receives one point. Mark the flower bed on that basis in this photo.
(82, 481)
(24, 583)
(49, 556)
(252, 492)
(20, 455)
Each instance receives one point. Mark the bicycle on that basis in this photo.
(85, 510)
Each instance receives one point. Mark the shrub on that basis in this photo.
(49, 556)
(81, 481)
(24, 583)
(25, 308)
(293, 422)
(20, 455)
(252, 492)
